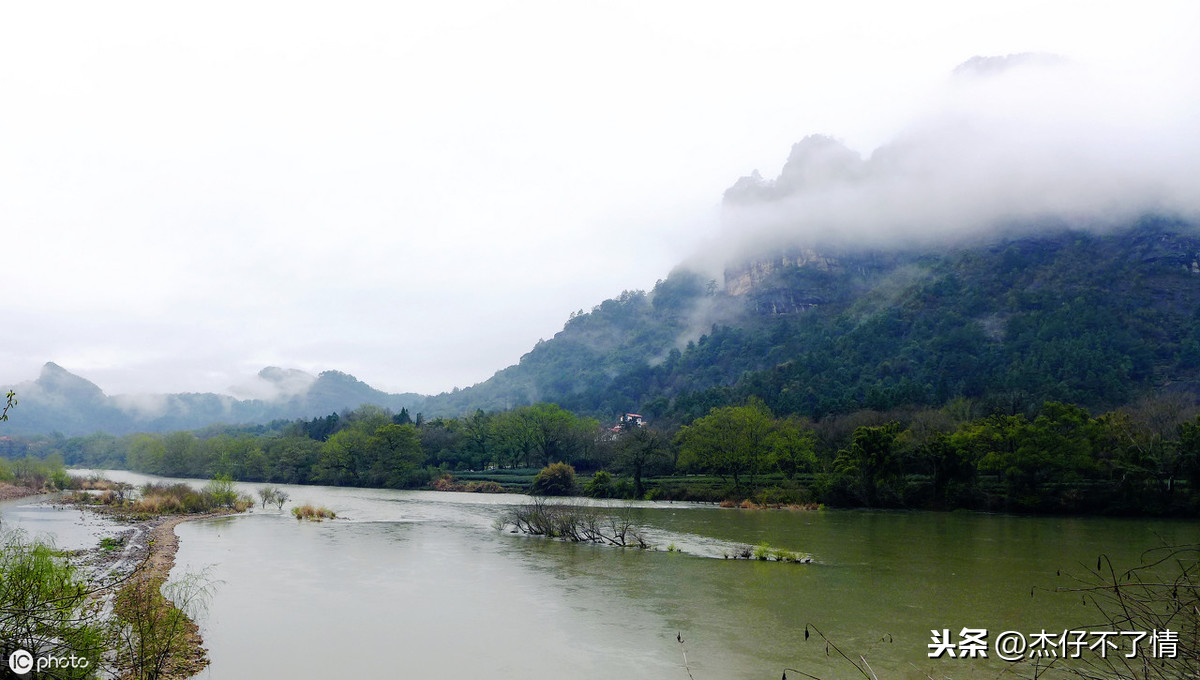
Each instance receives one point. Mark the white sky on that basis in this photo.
(415, 193)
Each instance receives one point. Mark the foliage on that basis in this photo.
(154, 629)
(222, 491)
(730, 441)
(556, 479)
(641, 450)
(313, 513)
(46, 606)
(869, 467)
(10, 401)
(599, 486)
(175, 499)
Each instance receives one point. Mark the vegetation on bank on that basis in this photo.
(46, 605)
(50, 605)
(35, 474)
(1143, 458)
(155, 499)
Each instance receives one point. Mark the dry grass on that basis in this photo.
(447, 483)
(751, 505)
(94, 483)
(313, 513)
(155, 500)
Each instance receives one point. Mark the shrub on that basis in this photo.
(222, 491)
(556, 479)
(575, 524)
(599, 486)
(312, 513)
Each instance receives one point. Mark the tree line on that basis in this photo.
(1140, 459)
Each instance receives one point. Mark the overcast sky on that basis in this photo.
(415, 193)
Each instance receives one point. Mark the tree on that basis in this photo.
(267, 494)
(221, 489)
(339, 454)
(793, 446)
(281, 497)
(395, 451)
(870, 463)
(730, 440)
(46, 607)
(1056, 446)
(599, 486)
(556, 479)
(639, 449)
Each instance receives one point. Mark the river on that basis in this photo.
(420, 584)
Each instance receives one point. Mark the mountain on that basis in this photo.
(1059, 312)
(60, 401)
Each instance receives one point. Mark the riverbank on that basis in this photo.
(136, 565)
(184, 646)
(11, 492)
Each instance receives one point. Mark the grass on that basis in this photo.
(763, 552)
(153, 500)
(447, 483)
(313, 513)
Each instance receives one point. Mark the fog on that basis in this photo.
(1007, 145)
(416, 194)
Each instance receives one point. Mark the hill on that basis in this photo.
(60, 401)
(1058, 313)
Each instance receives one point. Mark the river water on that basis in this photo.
(420, 584)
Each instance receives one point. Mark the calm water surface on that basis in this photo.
(420, 584)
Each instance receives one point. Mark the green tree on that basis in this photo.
(46, 607)
(870, 463)
(638, 450)
(729, 441)
(793, 446)
(339, 456)
(599, 486)
(146, 453)
(395, 451)
(556, 479)
(1056, 446)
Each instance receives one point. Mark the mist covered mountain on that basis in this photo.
(1094, 317)
(60, 401)
(1045, 249)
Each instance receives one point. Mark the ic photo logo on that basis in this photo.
(22, 662)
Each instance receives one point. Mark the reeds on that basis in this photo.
(313, 513)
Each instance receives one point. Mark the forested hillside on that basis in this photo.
(1066, 315)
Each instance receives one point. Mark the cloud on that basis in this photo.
(1006, 144)
(274, 383)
